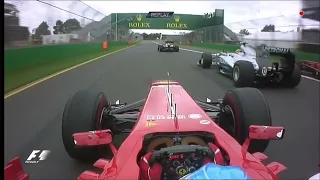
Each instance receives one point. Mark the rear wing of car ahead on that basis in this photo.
(285, 53)
(277, 50)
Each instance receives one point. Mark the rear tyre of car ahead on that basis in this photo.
(245, 107)
(243, 74)
(292, 78)
(82, 113)
(177, 48)
(161, 49)
(206, 59)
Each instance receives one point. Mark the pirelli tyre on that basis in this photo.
(291, 78)
(243, 74)
(82, 113)
(244, 107)
(158, 47)
(206, 60)
(161, 48)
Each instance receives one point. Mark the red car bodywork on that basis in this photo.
(14, 171)
(314, 65)
(124, 164)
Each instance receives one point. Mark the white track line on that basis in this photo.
(199, 52)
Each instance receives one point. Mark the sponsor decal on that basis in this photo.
(277, 49)
(205, 122)
(177, 24)
(194, 116)
(164, 117)
(138, 23)
(279, 134)
(149, 124)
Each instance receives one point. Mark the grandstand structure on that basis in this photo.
(13, 32)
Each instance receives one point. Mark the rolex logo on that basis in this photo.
(176, 19)
(138, 24)
(139, 18)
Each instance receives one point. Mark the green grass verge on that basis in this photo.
(14, 80)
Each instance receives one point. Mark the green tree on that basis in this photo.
(59, 28)
(42, 29)
(268, 28)
(71, 25)
(244, 31)
(145, 35)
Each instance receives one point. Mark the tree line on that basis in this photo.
(61, 27)
(151, 36)
(266, 28)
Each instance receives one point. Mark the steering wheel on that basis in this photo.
(179, 160)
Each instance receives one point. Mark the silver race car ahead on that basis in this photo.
(168, 46)
(249, 65)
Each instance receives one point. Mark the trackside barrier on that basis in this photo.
(105, 45)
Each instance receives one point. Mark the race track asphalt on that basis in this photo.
(33, 117)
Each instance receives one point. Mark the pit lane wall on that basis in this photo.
(26, 58)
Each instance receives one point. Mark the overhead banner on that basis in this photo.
(175, 22)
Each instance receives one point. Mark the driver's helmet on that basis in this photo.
(242, 47)
(238, 51)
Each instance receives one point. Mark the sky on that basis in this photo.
(252, 15)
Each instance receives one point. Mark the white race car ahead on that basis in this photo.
(249, 65)
(168, 46)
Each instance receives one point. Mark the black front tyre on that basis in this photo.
(292, 78)
(245, 107)
(82, 113)
(206, 59)
(243, 74)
